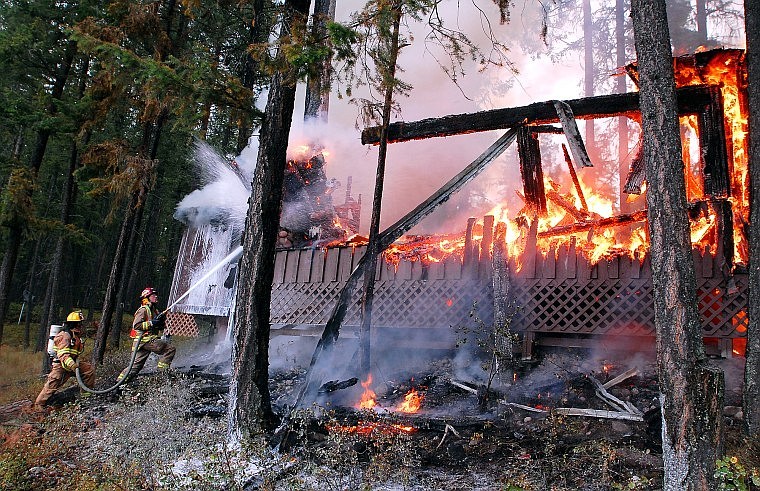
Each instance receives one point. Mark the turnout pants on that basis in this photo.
(58, 376)
(165, 351)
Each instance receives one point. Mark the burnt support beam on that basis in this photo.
(573, 135)
(691, 100)
(531, 171)
(712, 135)
(385, 239)
(616, 221)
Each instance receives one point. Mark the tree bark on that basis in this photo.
(622, 121)
(691, 390)
(752, 366)
(588, 69)
(250, 409)
(318, 84)
(387, 69)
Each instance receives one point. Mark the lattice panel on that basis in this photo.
(560, 294)
(620, 306)
(581, 307)
(723, 313)
(181, 324)
(431, 303)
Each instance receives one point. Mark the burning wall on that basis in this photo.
(576, 267)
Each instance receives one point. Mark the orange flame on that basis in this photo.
(411, 403)
(368, 396)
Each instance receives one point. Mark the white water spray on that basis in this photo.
(231, 256)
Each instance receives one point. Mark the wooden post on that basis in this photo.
(531, 171)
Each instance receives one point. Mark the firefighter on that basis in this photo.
(68, 345)
(149, 322)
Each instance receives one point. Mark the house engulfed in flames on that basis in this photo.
(578, 272)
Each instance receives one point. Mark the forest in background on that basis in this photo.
(100, 105)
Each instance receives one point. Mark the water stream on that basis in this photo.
(230, 257)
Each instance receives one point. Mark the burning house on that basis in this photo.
(563, 270)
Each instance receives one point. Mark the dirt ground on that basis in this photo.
(170, 431)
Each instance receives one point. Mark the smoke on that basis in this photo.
(223, 195)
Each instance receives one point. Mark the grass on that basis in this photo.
(21, 376)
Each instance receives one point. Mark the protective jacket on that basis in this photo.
(141, 323)
(67, 347)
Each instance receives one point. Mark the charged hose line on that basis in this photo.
(135, 348)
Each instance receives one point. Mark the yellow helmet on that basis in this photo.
(75, 316)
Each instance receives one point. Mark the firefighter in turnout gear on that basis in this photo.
(68, 345)
(149, 322)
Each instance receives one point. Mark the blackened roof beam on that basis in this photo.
(691, 100)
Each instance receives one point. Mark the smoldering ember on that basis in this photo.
(536, 334)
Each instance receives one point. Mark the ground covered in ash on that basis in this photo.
(170, 431)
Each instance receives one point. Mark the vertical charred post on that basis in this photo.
(712, 135)
(531, 171)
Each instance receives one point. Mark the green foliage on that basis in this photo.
(17, 207)
(733, 476)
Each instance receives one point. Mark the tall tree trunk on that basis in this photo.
(30, 287)
(55, 267)
(117, 268)
(588, 72)
(691, 390)
(318, 85)
(387, 69)
(123, 292)
(91, 298)
(249, 390)
(752, 366)
(702, 21)
(38, 152)
(622, 121)
(250, 72)
(6, 272)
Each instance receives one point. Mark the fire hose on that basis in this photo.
(135, 348)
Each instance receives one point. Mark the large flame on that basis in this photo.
(581, 215)
(411, 403)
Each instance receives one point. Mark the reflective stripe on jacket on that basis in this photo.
(141, 324)
(67, 348)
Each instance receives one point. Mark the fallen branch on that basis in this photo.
(612, 400)
(520, 406)
(446, 432)
(623, 376)
(463, 386)
(598, 413)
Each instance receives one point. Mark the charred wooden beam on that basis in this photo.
(570, 127)
(616, 221)
(712, 136)
(547, 128)
(574, 176)
(555, 197)
(636, 174)
(531, 171)
(724, 231)
(691, 100)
